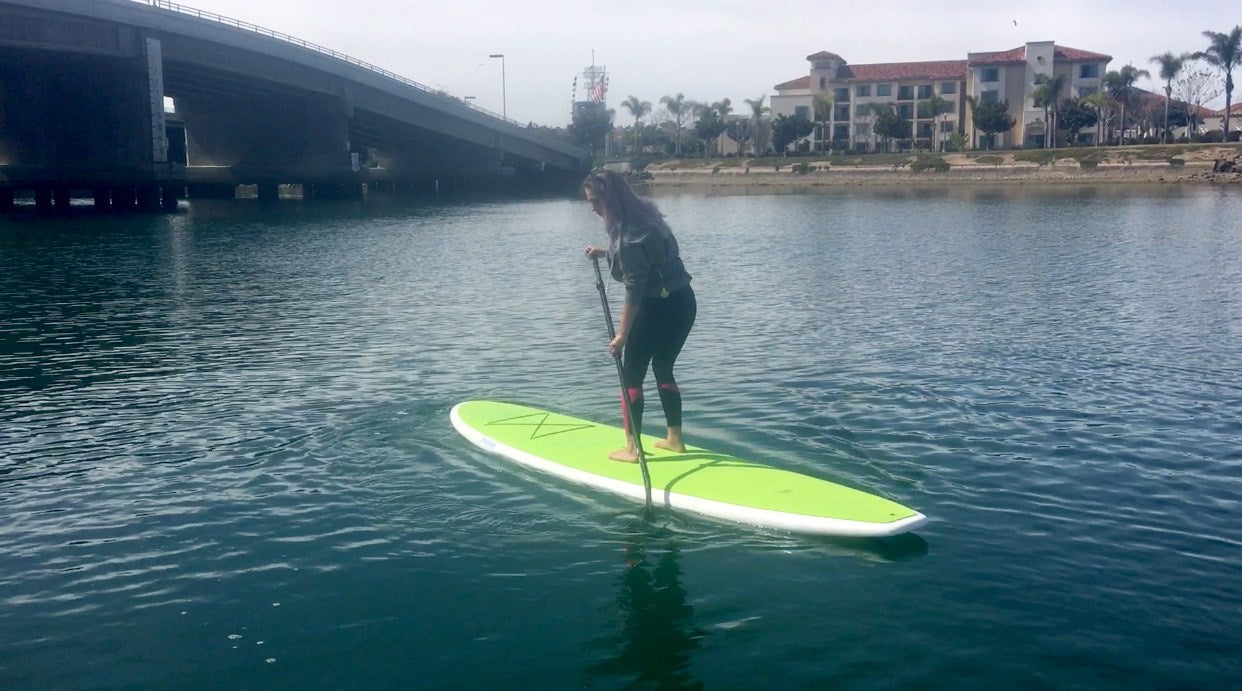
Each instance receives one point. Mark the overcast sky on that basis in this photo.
(706, 49)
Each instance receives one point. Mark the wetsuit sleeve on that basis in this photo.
(638, 267)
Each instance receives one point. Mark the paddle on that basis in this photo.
(625, 392)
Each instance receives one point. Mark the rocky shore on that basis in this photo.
(1202, 165)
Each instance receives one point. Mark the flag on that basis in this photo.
(600, 90)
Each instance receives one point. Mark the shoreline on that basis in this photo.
(983, 175)
(1007, 168)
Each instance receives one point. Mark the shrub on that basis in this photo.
(1176, 162)
(1041, 156)
(935, 164)
(987, 158)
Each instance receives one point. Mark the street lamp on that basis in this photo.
(504, 109)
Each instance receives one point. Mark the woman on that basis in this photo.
(659, 307)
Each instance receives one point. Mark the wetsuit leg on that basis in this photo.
(680, 310)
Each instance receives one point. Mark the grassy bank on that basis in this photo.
(1154, 163)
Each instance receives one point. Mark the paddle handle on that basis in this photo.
(625, 391)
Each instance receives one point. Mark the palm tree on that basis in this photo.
(1170, 65)
(1224, 51)
(722, 107)
(1120, 85)
(638, 109)
(1046, 95)
(935, 107)
(823, 111)
(678, 107)
(757, 109)
(1099, 101)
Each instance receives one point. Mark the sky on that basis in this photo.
(705, 49)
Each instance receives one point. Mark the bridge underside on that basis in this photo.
(82, 109)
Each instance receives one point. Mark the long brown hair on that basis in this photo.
(620, 207)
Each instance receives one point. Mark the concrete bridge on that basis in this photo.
(82, 111)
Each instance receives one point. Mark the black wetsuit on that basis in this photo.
(663, 307)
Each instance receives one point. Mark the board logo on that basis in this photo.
(540, 425)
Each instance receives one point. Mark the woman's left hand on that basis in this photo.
(616, 344)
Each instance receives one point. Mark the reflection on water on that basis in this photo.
(207, 414)
(655, 629)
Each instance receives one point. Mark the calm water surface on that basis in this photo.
(226, 460)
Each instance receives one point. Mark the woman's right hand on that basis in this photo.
(592, 251)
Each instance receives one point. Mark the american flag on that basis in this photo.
(600, 90)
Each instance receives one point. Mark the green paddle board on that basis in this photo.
(698, 480)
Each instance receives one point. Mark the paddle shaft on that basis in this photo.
(631, 423)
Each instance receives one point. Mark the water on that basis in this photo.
(226, 462)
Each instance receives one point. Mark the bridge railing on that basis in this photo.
(254, 28)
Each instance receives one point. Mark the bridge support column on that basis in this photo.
(43, 200)
(124, 199)
(169, 197)
(103, 198)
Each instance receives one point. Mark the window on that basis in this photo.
(822, 83)
(883, 89)
(863, 91)
(823, 65)
(840, 133)
(1088, 71)
(906, 110)
(925, 130)
(804, 111)
(989, 74)
(989, 96)
(950, 107)
(862, 130)
(948, 87)
(905, 93)
(841, 111)
(862, 111)
(925, 91)
(841, 95)
(946, 126)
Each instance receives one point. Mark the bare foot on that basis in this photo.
(671, 445)
(624, 455)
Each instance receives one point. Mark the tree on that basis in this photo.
(722, 107)
(934, 108)
(1073, 115)
(1194, 88)
(1102, 105)
(708, 127)
(678, 107)
(888, 123)
(638, 109)
(1046, 93)
(823, 113)
(1120, 85)
(1224, 52)
(757, 109)
(590, 125)
(787, 129)
(1170, 65)
(992, 118)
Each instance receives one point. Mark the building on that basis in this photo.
(1215, 120)
(850, 94)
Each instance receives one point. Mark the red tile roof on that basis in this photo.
(1018, 55)
(1158, 99)
(799, 83)
(898, 71)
